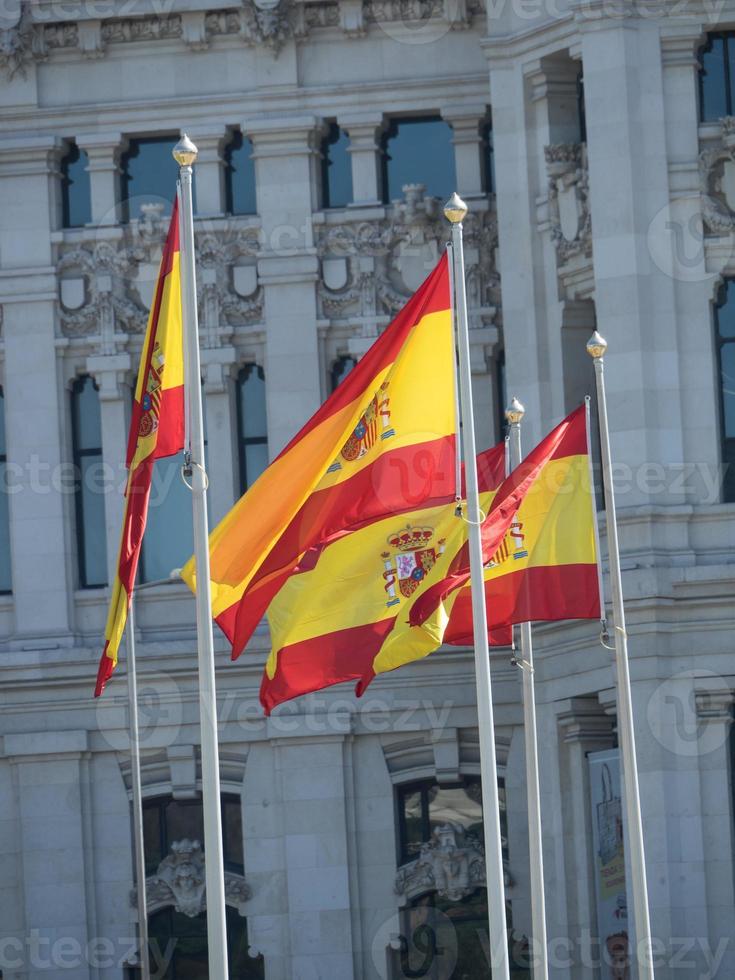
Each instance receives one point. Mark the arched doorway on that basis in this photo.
(180, 942)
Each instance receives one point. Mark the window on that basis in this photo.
(89, 484)
(501, 389)
(725, 338)
(717, 76)
(252, 430)
(169, 533)
(5, 574)
(336, 168)
(76, 200)
(423, 806)
(488, 158)
(149, 174)
(581, 111)
(166, 821)
(340, 369)
(239, 175)
(418, 151)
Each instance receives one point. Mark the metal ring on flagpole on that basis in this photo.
(483, 518)
(201, 470)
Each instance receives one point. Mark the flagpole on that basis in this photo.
(139, 846)
(185, 153)
(539, 950)
(596, 347)
(455, 210)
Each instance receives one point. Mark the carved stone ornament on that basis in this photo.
(452, 864)
(569, 212)
(17, 42)
(180, 881)
(717, 181)
(371, 267)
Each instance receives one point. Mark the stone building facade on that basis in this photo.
(593, 143)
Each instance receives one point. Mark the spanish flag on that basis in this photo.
(156, 430)
(552, 486)
(343, 615)
(546, 566)
(383, 443)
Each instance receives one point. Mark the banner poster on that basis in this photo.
(607, 840)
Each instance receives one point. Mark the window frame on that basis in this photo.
(125, 157)
(335, 370)
(160, 802)
(728, 37)
(4, 460)
(236, 135)
(77, 455)
(66, 183)
(331, 138)
(242, 440)
(391, 130)
(727, 443)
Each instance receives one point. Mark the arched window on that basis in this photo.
(149, 174)
(239, 175)
(725, 340)
(89, 484)
(5, 573)
(336, 168)
(168, 822)
(252, 428)
(717, 76)
(76, 200)
(169, 535)
(340, 369)
(418, 151)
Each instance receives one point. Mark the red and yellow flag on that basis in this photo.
(156, 430)
(546, 566)
(343, 615)
(552, 484)
(383, 443)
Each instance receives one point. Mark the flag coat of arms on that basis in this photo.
(156, 431)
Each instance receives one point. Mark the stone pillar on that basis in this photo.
(467, 139)
(103, 151)
(583, 727)
(285, 153)
(209, 172)
(50, 778)
(635, 300)
(364, 130)
(221, 426)
(34, 404)
(677, 236)
(112, 374)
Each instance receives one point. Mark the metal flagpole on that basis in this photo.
(596, 347)
(455, 209)
(514, 414)
(185, 153)
(137, 793)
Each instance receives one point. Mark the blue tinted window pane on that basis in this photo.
(252, 404)
(149, 174)
(2, 424)
(340, 369)
(727, 360)
(93, 543)
(712, 81)
(5, 579)
(418, 151)
(726, 313)
(336, 169)
(169, 540)
(88, 432)
(256, 460)
(240, 176)
(488, 148)
(75, 193)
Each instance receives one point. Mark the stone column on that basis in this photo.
(34, 403)
(60, 918)
(285, 153)
(209, 173)
(635, 299)
(221, 426)
(467, 139)
(112, 373)
(103, 151)
(364, 130)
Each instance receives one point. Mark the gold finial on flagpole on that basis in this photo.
(185, 152)
(514, 412)
(455, 209)
(596, 345)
